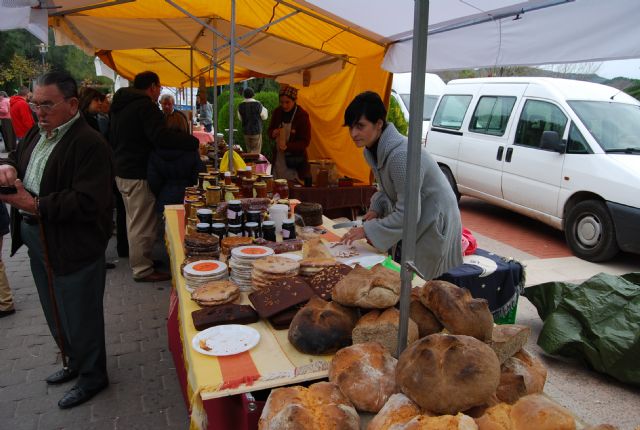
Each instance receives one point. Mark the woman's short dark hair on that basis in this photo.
(248, 93)
(87, 96)
(144, 80)
(62, 80)
(367, 104)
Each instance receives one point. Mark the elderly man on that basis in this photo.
(61, 209)
(137, 127)
(175, 119)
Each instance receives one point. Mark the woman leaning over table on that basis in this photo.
(439, 229)
(291, 129)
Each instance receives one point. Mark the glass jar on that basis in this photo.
(281, 187)
(269, 230)
(201, 179)
(234, 212)
(219, 229)
(254, 216)
(213, 195)
(227, 178)
(191, 192)
(268, 179)
(288, 229)
(231, 193)
(251, 229)
(247, 187)
(203, 227)
(191, 225)
(260, 189)
(234, 230)
(193, 209)
(204, 215)
(210, 180)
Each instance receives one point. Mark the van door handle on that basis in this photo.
(500, 151)
(508, 157)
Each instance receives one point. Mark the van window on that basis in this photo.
(614, 125)
(429, 105)
(451, 111)
(577, 144)
(492, 115)
(538, 116)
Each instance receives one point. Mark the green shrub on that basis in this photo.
(396, 117)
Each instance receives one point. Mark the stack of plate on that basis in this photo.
(203, 271)
(241, 263)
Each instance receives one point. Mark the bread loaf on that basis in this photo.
(398, 410)
(508, 339)
(442, 422)
(520, 375)
(533, 412)
(447, 374)
(322, 327)
(365, 373)
(378, 288)
(423, 317)
(604, 427)
(457, 310)
(383, 326)
(320, 407)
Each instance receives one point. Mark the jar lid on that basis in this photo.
(204, 211)
(213, 188)
(251, 225)
(227, 173)
(254, 212)
(235, 225)
(235, 202)
(197, 204)
(288, 221)
(202, 175)
(268, 224)
(281, 181)
(218, 225)
(260, 185)
(203, 225)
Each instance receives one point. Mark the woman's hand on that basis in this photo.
(275, 133)
(370, 215)
(352, 235)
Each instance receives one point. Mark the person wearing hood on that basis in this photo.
(137, 127)
(21, 115)
(439, 232)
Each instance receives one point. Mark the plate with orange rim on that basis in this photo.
(251, 252)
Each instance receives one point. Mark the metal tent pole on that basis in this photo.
(232, 43)
(418, 67)
(214, 41)
(191, 80)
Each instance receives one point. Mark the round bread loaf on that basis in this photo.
(447, 374)
(536, 412)
(311, 213)
(424, 318)
(398, 410)
(322, 327)
(520, 375)
(383, 327)
(442, 422)
(378, 288)
(365, 374)
(320, 407)
(457, 310)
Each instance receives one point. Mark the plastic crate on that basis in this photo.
(509, 318)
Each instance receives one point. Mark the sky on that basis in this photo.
(624, 68)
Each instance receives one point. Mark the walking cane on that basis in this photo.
(54, 302)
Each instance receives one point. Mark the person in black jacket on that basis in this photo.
(137, 127)
(62, 172)
(170, 172)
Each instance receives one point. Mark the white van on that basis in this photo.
(401, 91)
(564, 152)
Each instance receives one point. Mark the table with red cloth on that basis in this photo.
(336, 201)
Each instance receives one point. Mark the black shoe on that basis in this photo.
(154, 277)
(78, 395)
(7, 313)
(62, 375)
(109, 265)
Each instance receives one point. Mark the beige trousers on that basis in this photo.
(253, 143)
(139, 204)
(6, 299)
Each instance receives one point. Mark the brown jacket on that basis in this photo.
(299, 139)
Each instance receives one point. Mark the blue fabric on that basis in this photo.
(170, 171)
(501, 288)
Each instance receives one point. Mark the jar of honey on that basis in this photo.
(213, 195)
(247, 187)
(281, 187)
(227, 178)
(268, 179)
(193, 209)
(201, 180)
(260, 189)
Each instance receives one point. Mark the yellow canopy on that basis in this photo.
(278, 39)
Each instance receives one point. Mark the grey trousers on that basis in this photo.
(79, 297)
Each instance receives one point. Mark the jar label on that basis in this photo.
(285, 234)
(231, 214)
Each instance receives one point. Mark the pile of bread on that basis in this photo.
(458, 371)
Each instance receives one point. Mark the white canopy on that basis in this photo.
(488, 33)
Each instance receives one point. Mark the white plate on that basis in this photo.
(294, 257)
(365, 260)
(251, 252)
(229, 339)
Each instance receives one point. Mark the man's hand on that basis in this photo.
(22, 199)
(8, 175)
(352, 235)
(370, 215)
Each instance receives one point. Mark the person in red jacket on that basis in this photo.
(21, 116)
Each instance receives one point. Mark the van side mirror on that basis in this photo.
(551, 140)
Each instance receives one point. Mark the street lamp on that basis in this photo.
(43, 48)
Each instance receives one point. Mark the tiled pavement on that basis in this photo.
(144, 391)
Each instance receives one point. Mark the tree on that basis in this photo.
(19, 71)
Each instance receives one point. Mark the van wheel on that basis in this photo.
(590, 232)
(452, 181)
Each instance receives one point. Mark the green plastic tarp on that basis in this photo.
(596, 322)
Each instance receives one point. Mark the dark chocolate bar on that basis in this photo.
(224, 314)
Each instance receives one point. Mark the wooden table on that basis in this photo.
(336, 199)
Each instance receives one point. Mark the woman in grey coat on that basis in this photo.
(439, 233)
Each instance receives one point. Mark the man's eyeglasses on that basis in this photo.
(45, 107)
